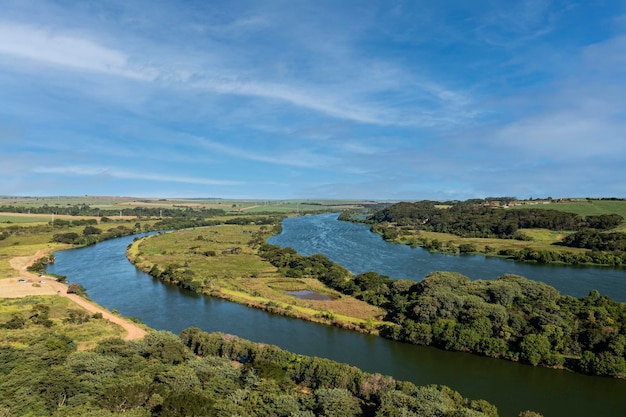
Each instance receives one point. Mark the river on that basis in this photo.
(113, 282)
(355, 247)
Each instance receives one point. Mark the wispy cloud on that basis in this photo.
(359, 102)
(297, 158)
(125, 174)
(513, 24)
(48, 46)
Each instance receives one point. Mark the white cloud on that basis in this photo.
(564, 135)
(515, 23)
(350, 89)
(608, 57)
(297, 158)
(50, 47)
(125, 174)
(580, 116)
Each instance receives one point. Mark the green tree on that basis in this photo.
(91, 230)
(336, 402)
(534, 348)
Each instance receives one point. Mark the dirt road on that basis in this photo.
(27, 283)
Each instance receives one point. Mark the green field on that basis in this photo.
(86, 334)
(229, 205)
(9, 219)
(584, 207)
(102, 202)
(542, 239)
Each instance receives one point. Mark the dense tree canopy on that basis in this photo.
(196, 374)
(477, 219)
(512, 317)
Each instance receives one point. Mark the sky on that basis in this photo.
(289, 99)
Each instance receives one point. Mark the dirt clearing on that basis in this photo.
(26, 283)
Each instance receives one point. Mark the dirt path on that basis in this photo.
(28, 283)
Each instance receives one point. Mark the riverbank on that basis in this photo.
(532, 245)
(26, 283)
(239, 275)
(473, 320)
(113, 281)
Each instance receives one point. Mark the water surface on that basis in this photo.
(356, 248)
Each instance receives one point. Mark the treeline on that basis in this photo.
(177, 223)
(594, 240)
(605, 248)
(511, 318)
(17, 230)
(471, 219)
(89, 235)
(93, 234)
(175, 274)
(336, 389)
(197, 374)
(545, 256)
(267, 220)
(86, 210)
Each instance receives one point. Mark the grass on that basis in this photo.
(30, 239)
(224, 265)
(64, 201)
(542, 239)
(585, 207)
(15, 219)
(85, 335)
(287, 285)
(229, 206)
(9, 252)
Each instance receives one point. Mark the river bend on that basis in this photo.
(113, 282)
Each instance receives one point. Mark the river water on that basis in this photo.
(356, 248)
(113, 282)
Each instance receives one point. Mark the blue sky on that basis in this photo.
(389, 100)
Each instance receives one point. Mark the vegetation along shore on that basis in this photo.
(223, 253)
(61, 359)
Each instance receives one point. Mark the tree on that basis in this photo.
(534, 348)
(91, 230)
(75, 288)
(164, 346)
(70, 237)
(336, 402)
(186, 404)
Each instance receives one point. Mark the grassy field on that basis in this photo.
(222, 264)
(542, 239)
(229, 206)
(94, 201)
(33, 237)
(86, 334)
(18, 219)
(585, 207)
